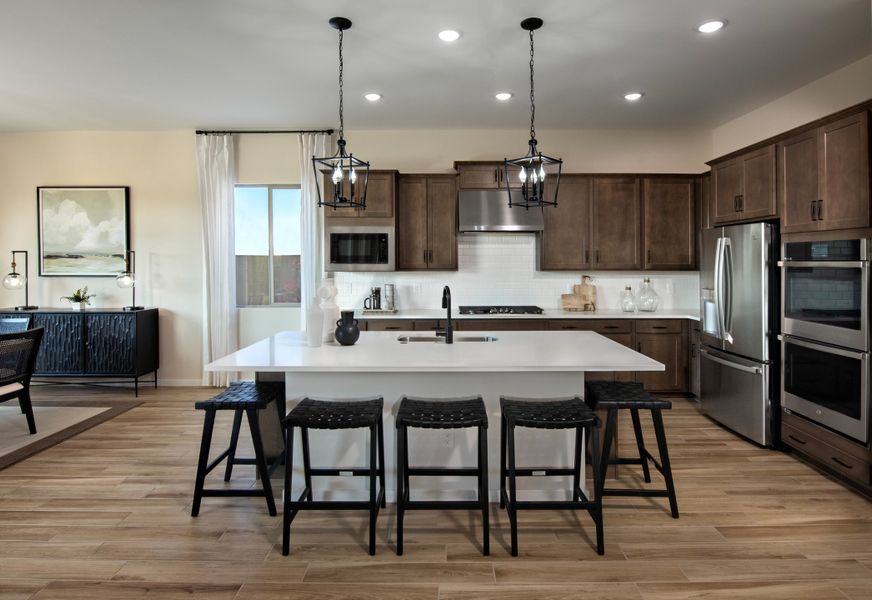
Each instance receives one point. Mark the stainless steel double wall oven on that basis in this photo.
(825, 325)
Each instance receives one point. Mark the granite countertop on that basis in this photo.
(552, 313)
(382, 352)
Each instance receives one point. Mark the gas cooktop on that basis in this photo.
(500, 310)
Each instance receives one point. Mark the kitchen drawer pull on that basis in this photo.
(796, 439)
(610, 327)
(839, 462)
(659, 327)
(732, 365)
(392, 328)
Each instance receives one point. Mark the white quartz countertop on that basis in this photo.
(553, 313)
(514, 351)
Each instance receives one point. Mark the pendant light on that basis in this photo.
(534, 167)
(349, 175)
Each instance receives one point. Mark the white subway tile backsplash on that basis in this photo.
(501, 269)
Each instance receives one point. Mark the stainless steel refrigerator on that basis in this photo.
(738, 329)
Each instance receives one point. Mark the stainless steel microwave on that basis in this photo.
(359, 248)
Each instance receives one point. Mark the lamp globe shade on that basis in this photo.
(125, 280)
(14, 281)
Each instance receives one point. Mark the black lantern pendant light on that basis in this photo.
(534, 167)
(349, 175)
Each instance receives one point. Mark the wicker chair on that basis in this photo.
(17, 359)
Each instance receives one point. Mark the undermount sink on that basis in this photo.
(405, 339)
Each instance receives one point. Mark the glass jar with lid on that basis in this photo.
(628, 300)
(648, 300)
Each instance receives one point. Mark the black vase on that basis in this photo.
(347, 331)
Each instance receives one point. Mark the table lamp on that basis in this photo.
(16, 281)
(127, 279)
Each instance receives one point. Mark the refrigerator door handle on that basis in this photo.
(719, 287)
(727, 274)
(732, 365)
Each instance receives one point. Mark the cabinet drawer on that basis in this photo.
(845, 464)
(597, 325)
(658, 326)
(500, 325)
(826, 436)
(390, 325)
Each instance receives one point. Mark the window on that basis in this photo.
(267, 231)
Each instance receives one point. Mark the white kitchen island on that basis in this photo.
(518, 363)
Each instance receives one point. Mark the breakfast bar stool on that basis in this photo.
(244, 398)
(613, 396)
(441, 413)
(335, 414)
(549, 413)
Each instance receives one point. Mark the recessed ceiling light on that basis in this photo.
(449, 35)
(633, 96)
(373, 96)
(711, 26)
(503, 96)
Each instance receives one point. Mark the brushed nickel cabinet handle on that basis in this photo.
(839, 462)
(813, 207)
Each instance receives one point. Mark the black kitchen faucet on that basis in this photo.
(448, 332)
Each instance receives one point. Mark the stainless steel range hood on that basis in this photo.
(488, 210)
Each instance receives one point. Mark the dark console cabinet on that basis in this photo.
(96, 343)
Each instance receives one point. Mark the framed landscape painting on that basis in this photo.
(83, 231)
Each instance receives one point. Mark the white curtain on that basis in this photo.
(215, 162)
(311, 220)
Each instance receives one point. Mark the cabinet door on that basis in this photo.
(758, 184)
(669, 349)
(616, 223)
(705, 211)
(565, 242)
(479, 177)
(844, 168)
(726, 188)
(442, 222)
(412, 223)
(799, 182)
(668, 215)
(380, 195)
(62, 348)
(110, 344)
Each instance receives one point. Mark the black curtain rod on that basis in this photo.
(236, 131)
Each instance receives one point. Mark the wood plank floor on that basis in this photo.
(107, 515)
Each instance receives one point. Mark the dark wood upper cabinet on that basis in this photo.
(669, 224)
(616, 223)
(565, 242)
(844, 171)
(442, 221)
(824, 177)
(427, 222)
(485, 176)
(744, 187)
(381, 197)
(412, 243)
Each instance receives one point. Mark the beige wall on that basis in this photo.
(161, 170)
(843, 88)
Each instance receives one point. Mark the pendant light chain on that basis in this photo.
(341, 68)
(532, 96)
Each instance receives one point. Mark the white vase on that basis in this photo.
(327, 293)
(314, 323)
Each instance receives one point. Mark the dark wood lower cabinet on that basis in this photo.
(847, 459)
(109, 343)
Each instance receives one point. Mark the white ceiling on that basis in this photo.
(166, 64)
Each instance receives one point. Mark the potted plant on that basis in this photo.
(79, 299)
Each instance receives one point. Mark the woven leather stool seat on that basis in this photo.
(240, 396)
(622, 394)
(336, 414)
(557, 413)
(442, 414)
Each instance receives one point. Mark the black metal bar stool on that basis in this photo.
(247, 398)
(441, 413)
(549, 413)
(614, 396)
(335, 414)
